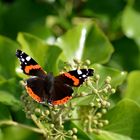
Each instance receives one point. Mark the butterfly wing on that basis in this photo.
(75, 77)
(35, 87)
(61, 93)
(29, 65)
(62, 90)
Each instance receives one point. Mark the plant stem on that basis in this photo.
(39, 124)
(9, 122)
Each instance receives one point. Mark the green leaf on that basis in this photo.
(8, 99)
(44, 54)
(52, 59)
(83, 101)
(15, 17)
(133, 87)
(103, 135)
(124, 48)
(106, 135)
(124, 119)
(4, 113)
(16, 132)
(130, 22)
(117, 77)
(12, 86)
(86, 41)
(7, 57)
(1, 134)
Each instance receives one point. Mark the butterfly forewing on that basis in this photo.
(29, 65)
(75, 77)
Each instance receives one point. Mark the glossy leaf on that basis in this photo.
(44, 54)
(7, 57)
(124, 119)
(8, 99)
(18, 133)
(130, 22)
(124, 48)
(86, 41)
(133, 87)
(117, 77)
(107, 135)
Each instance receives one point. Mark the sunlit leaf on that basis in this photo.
(117, 77)
(133, 87)
(86, 41)
(107, 135)
(130, 22)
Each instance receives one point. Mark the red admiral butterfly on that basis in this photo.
(45, 87)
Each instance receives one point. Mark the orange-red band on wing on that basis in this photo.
(33, 95)
(76, 81)
(28, 68)
(62, 101)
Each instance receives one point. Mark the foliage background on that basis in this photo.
(111, 42)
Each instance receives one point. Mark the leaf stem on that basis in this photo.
(9, 122)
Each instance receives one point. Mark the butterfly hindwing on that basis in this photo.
(29, 65)
(35, 87)
(61, 93)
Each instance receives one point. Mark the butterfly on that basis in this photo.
(45, 87)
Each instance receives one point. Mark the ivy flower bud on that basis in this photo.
(100, 124)
(113, 90)
(88, 62)
(104, 111)
(108, 80)
(75, 130)
(106, 122)
(99, 115)
(52, 125)
(97, 76)
(74, 137)
(70, 132)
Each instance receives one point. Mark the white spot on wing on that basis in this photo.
(28, 58)
(79, 72)
(84, 76)
(22, 59)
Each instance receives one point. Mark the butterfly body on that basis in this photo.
(44, 87)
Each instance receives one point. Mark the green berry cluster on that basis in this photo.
(53, 120)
